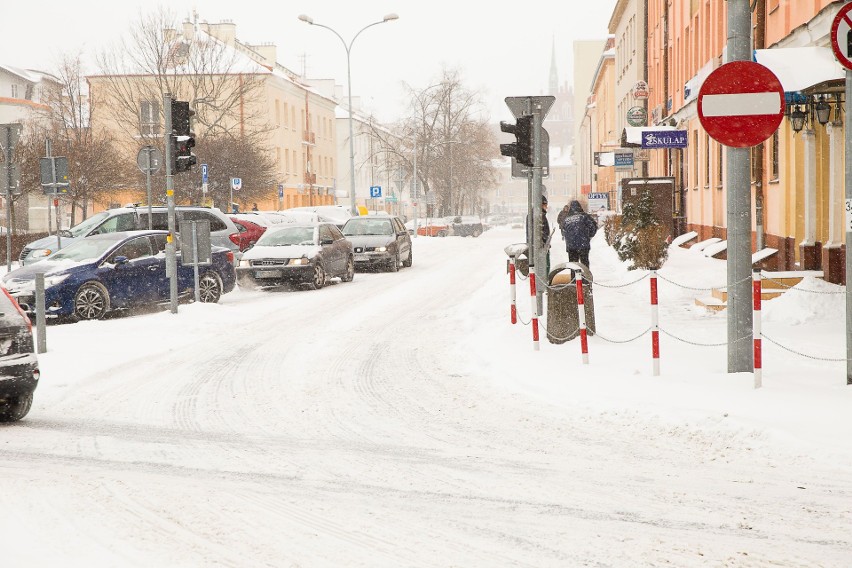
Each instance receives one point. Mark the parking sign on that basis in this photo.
(375, 191)
(236, 183)
(203, 173)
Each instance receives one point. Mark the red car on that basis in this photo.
(435, 228)
(249, 232)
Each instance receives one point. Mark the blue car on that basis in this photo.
(112, 271)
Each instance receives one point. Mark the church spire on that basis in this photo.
(554, 77)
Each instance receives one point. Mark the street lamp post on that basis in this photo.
(348, 48)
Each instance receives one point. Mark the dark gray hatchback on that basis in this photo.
(19, 372)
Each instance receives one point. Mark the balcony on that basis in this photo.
(309, 138)
(310, 178)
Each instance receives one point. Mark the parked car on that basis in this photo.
(434, 228)
(466, 226)
(379, 241)
(336, 214)
(223, 232)
(250, 231)
(94, 276)
(306, 254)
(17, 359)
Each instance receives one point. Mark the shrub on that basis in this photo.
(638, 237)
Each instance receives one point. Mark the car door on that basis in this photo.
(342, 245)
(403, 241)
(134, 281)
(330, 251)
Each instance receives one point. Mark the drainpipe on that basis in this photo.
(759, 35)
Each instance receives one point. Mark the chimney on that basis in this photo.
(267, 52)
(225, 31)
(188, 31)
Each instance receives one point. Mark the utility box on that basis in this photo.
(563, 315)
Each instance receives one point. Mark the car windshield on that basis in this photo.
(368, 227)
(85, 249)
(287, 236)
(82, 229)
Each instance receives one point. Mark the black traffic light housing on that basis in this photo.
(183, 139)
(522, 148)
(184, 159)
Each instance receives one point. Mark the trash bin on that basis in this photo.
(563, 317)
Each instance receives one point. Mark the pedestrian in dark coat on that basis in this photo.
(578, 228)
(561, 217)
(545, 230)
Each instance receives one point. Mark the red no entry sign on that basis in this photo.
(741, 104)
(841, 36)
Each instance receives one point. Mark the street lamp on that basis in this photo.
(348, 48)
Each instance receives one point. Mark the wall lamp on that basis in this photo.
(804, 109)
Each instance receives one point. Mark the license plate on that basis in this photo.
(267, 274)
(361, 257)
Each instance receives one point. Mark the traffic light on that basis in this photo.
(183, 139)
(522, 148)
(181, 115)
(182, 154)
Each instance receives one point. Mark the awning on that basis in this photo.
(801, 67)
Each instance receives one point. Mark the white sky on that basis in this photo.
(400, 420)
(503, 49)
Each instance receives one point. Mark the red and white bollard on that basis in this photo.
(512, 293)
(534, 322)
(756, 329)
(655, 325)
(584, 341)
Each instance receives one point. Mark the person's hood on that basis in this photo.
(575, 207)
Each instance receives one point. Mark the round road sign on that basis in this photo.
(741, 104)
(841, 36)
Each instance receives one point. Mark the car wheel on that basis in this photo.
(209, 287)
(350, 270)
(15, 407)
(442, 233)
(408, 261)
(91, 302)
(318, 278)
(393, 265)
(477, 231)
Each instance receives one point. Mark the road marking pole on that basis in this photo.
(655, 325)
(756, 329)
(536, 346)
(512, 291)
(584, 342)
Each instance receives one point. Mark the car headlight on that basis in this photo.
(298, 261)
(381, 249)
(40, 253)
(245, 263)
(54, 280)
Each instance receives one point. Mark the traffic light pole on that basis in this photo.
(537, 190)
(7, 148)
(171, 253)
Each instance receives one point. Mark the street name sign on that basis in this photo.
(741, 104)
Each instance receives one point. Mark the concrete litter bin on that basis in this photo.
(563, 317)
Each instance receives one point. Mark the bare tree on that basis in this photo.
(454, 144)
(93, 171)
(224, 87)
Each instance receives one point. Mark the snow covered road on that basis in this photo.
(388, 422)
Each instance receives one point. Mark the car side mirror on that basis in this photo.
(326, 241)
(121, 260)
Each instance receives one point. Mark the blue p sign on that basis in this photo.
(375, 191)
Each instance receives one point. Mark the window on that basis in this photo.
(14, 91)
(137, 248)
(216, 224)
(719, 154)
(773, 158)
(149, 118)
(286, 117)
(706, 160)
(123, 222)
(287, 160)
(277, 112)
